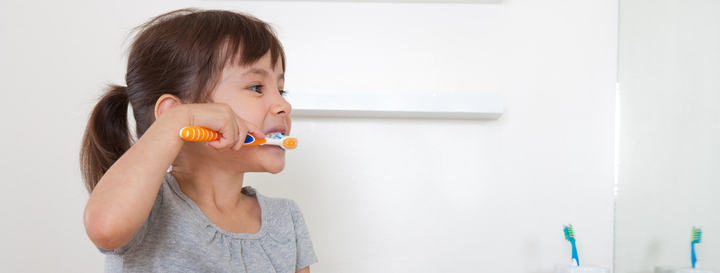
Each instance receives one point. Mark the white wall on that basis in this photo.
(379, 195)
(668, 149)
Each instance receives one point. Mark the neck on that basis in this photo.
(209, 184)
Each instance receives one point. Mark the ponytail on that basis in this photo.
(107, 136)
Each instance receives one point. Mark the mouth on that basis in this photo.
(276, 132)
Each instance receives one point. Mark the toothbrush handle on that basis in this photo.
(197, 133)
(574, 253)
(693, 258)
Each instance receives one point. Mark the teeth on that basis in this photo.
(275, 135)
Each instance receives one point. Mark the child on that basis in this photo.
(216, 69)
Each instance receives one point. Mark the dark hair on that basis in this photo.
(181, 53)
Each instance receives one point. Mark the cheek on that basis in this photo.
(289, 124)
(242, 103)
(253, 117)
(251, 112)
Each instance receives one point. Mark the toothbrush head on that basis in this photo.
(290, 143)
(696, 235)
(281, 140)
(569, 233)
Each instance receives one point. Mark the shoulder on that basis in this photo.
(275, 206)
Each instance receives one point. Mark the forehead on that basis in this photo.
(262, 67)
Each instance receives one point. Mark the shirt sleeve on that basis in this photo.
(305, 252)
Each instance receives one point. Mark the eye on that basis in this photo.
(256, 88)
(283, 93)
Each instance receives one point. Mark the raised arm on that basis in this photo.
(123, 198)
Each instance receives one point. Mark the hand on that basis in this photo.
(220, 118)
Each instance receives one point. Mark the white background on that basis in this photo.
(669, 130)
(379, 195)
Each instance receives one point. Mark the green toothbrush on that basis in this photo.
(696, 237)
(570, 236)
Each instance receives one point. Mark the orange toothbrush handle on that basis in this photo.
(197, 133)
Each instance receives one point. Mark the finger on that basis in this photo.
(254, 130)
(242, 133)
(228, 135)
(249, 129)
(227, 139)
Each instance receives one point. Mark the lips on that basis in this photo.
(279, 129)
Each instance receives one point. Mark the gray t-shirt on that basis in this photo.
(177, 237)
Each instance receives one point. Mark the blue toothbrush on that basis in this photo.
(570, 236)
(696, 237)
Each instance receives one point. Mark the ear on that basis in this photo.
(165, 102)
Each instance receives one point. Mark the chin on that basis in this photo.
(258, 159)
(275, 170)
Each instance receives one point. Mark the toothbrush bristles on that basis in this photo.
(696, 235)
(274, 135)
(569, 233)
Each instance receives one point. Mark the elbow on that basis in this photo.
(104, 232)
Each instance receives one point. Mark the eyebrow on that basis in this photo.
(262, 72)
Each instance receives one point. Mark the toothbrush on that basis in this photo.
(696, 237)
(570, 236)
(196, 133)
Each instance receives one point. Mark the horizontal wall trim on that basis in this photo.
(376, 104)
(399, 1)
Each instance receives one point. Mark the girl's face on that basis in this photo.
(254, 92)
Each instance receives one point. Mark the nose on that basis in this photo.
(280, 106)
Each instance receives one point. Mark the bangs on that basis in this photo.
(243, 50)
(200, 43)
(246, 39)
